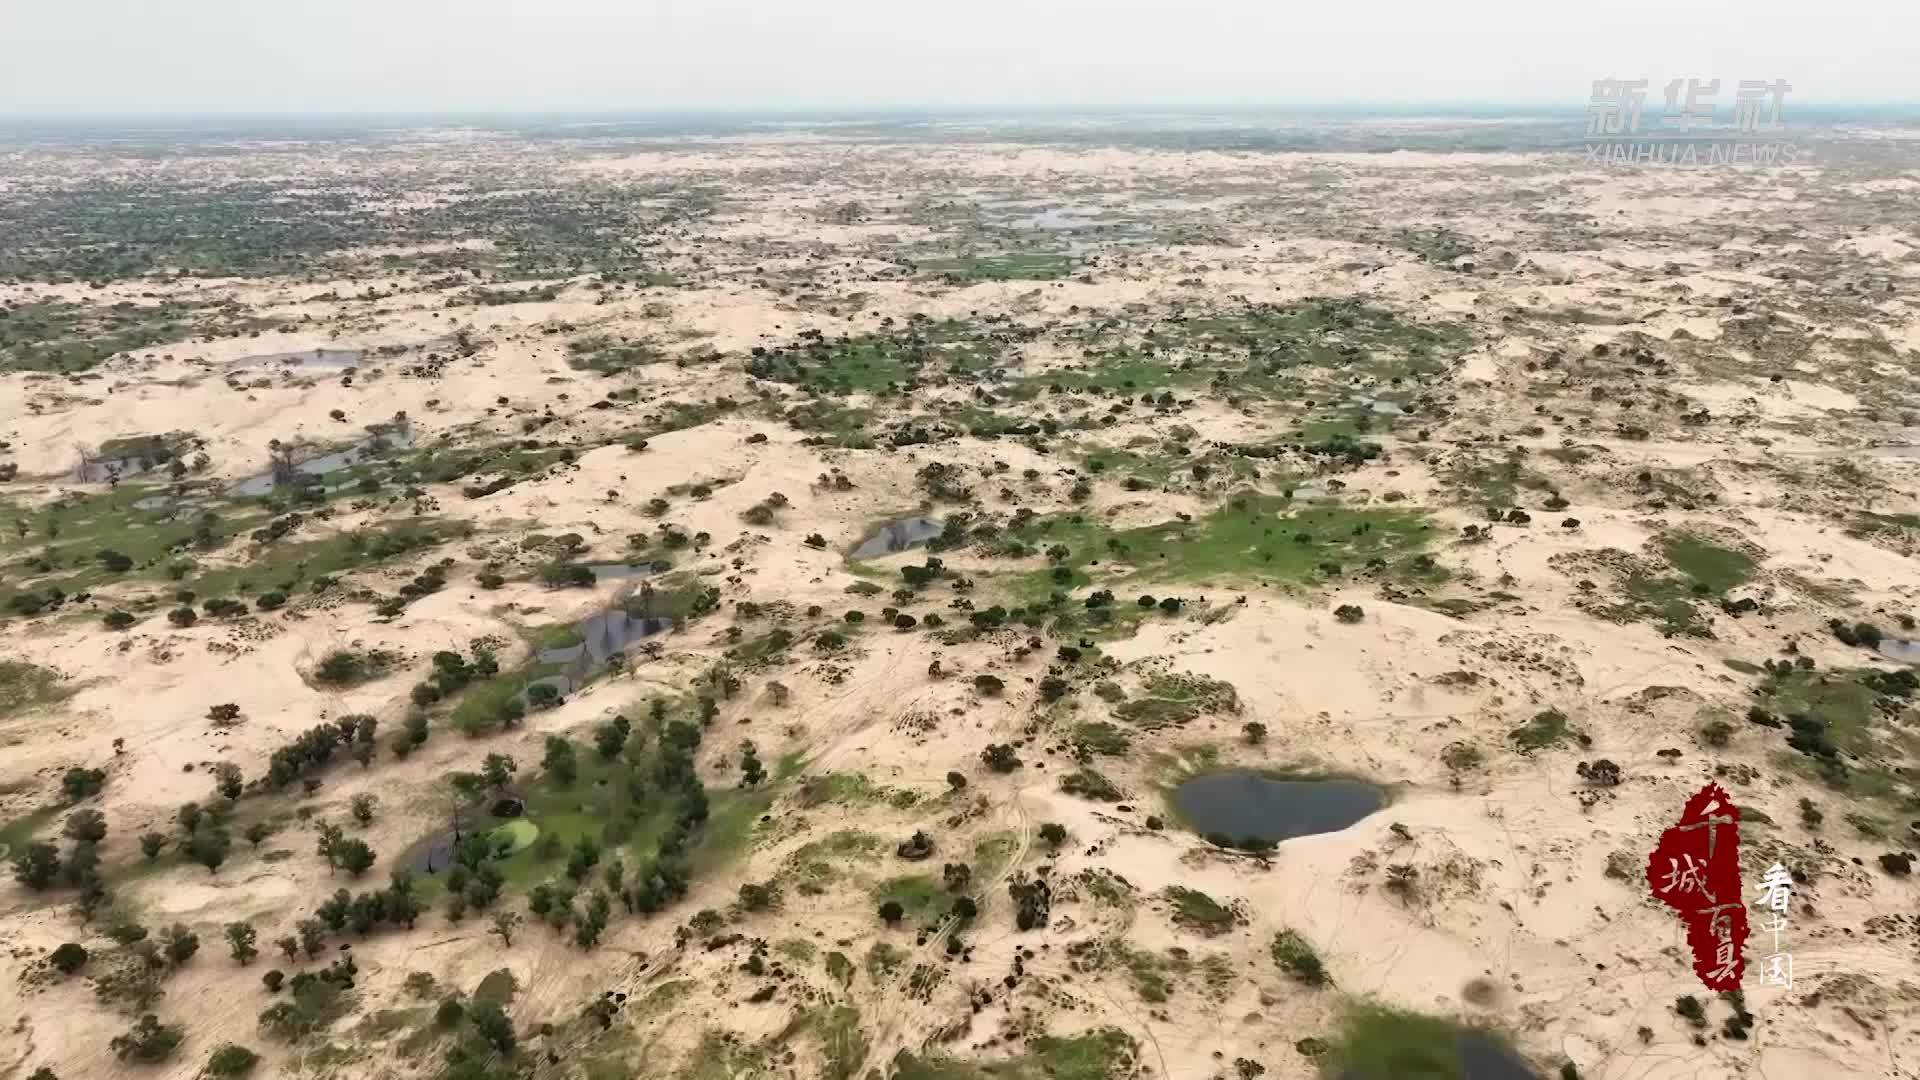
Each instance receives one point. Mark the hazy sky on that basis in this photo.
(434, 55)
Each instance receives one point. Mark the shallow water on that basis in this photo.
(1482, 1058)
(262, 483)
(619, 571)
(431, 855)
(1479, 1058)
(602, 635)
(329, 359)
(101, 470)
(897, 536)
(1241, 804)
(1905, 650)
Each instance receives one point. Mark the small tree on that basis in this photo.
(492, 1024)
(180, 943)
(1000, 758)
(148, 1042)
(231, 1061)
(356, 858)
(208, 847)
(36, 865)
(152, 844)
(86, 826)
(497, 770)
(1255, 732)
(891, 912)
(240, 942)
(313, 937)
(362, 806)
(504, 924)
(956, 781)
(69, 958)
(1054, 834)
(227, 782)
(288, 944)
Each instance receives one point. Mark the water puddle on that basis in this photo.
(370, 447)
(1239, 804)
(312, 359)
(603, 635)
(620, 571)
(1477, 1057)
(1905, 650)
(896, 536)
(510, 831)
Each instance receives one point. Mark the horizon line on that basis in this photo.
(828, 109)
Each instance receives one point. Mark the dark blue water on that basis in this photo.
(1480, 1057)
(1239, 804)
(898, 536)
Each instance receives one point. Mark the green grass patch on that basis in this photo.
(26, 686)
(1494, 483)
(287, 565)
(610, 356)
(1254, 537)
(1100, 737)
(1173, 700)
(879, 362)
(1196, 910)
(883, 960)
(19, 832)
(518, 833)
(1013, 266)
(992, 853)
(1854, 728)
(1547, 729)
(1704, 562)
(733, 819)
(1101, 1054)
(918, 894)
(1295, 955)
(62, 336)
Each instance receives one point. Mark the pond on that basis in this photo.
(602, 635)
(1905, 650)
(1238, 804)
(620, 571)
(334, 359)
(371, 446)
(510, 833)
(897, 536)
(1479, 1057)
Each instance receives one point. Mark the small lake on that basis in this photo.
(1239, 804)
(1479, 1057)
(371, 446)
(323, 359)
(104, 470)
(620, 571)
(602, 635)
(897, 536)
(1905, 650)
